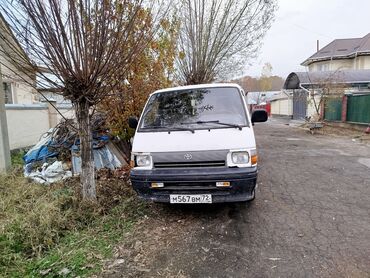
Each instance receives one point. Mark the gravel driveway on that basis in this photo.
(311, 218)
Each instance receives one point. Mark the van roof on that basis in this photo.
(200, 86)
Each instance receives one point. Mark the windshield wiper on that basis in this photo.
(169, 129)
(214, 122)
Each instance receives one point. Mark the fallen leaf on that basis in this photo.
(64, 272)
(116, 262)
(44, 272)
(205, 249)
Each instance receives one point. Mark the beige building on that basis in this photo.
(18, 82)
(341, 54)
(27, 117)
(339, 75)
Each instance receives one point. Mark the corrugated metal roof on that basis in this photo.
(341, 48)
(295, 79)
(280, 96)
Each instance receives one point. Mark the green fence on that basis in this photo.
(333, 109)
(358, 109)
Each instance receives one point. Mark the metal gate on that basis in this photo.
(299, 104)
(358, 109)
(333, 109)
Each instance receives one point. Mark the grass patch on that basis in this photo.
(17, 157)
(49, 232)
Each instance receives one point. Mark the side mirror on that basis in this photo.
(132, 122)
(259, 116)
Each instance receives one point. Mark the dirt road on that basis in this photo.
(311, 218)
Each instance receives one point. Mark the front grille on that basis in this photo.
(193, 164)
(188, 159)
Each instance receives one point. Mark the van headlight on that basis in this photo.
(143, 160)
(240, 157)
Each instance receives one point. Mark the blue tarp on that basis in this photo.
(39, 154)
(42, 150)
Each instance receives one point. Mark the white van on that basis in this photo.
(195, 144)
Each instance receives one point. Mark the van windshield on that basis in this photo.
(194, 109)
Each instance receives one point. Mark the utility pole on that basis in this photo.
(4, 139)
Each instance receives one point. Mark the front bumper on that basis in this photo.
(196, 181)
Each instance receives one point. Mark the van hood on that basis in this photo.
(200, 140)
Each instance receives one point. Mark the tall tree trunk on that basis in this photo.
(87, 159)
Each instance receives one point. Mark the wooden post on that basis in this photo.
(5, 161)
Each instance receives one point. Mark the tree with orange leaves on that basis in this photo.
(153, 69)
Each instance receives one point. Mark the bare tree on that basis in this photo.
(75, 46)
(265, 79)
(331, 85)
(217, 37)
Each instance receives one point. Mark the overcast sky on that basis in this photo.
(299, 23)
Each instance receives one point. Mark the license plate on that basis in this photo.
(191, 199)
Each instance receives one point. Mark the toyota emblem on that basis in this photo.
(188, 156)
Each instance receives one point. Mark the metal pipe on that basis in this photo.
(304, 89)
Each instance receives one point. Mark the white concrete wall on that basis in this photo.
(26, 123)
(282, 107)
(311, 110)
(275, 107)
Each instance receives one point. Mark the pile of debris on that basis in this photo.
(57, 154)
